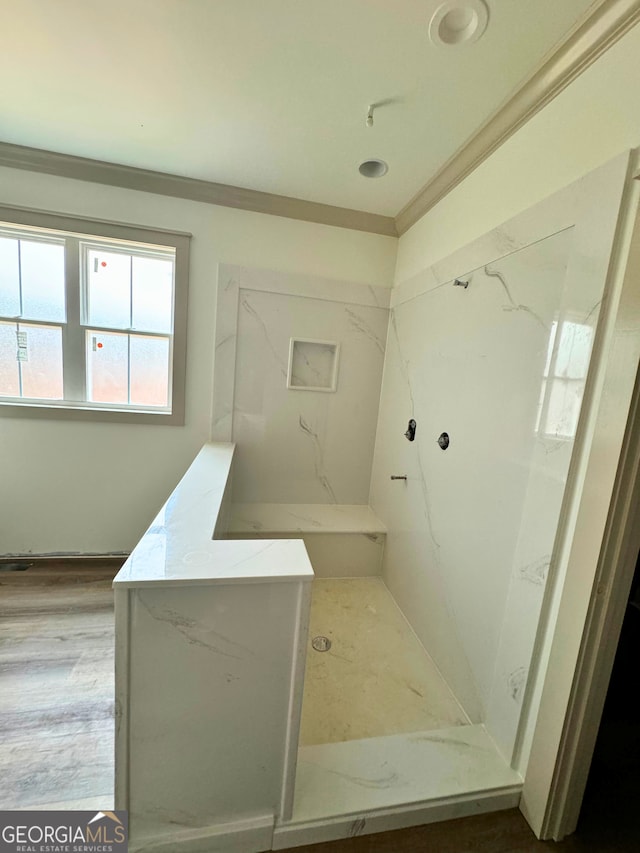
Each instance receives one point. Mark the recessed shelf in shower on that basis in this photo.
(313, 365)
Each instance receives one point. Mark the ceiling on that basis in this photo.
(270, 95)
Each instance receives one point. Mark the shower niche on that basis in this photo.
(313, 365)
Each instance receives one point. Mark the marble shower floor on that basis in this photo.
(56, 687)
(376, 679)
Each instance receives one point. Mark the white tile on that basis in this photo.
(314, 287)
(379, 773)
(341, 540)
(329, 435)
(366, 822)
(468, 362)
(298, 518)
(336, 555)
(471, 532)
(211, 674)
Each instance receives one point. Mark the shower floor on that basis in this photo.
(376, 679)
(383, 740)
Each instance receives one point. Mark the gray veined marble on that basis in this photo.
(357, 827)
(228, 338)
(516, 682)
(307, 519)
(460, 361)
(360, 325)
(536, 572)
(266, 310)
(321, 476)
(196, 633)
(379, 783)
(591, 312)
(313, 365)
(422, 480)
(244, 301)
(513, 305)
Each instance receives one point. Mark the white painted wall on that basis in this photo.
(76, 487)
(593, 120)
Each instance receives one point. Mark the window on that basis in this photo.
(92, 319)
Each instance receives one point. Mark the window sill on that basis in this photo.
(53, 410)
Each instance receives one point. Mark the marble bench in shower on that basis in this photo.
(342, 540)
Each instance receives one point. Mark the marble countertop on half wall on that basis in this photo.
(178, 548)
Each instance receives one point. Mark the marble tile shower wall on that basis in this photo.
(499, 366)
(298, 446)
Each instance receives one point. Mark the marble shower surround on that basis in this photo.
(482, 632)
(296, 446)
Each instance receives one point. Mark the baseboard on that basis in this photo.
(58, 556)
(252, 835)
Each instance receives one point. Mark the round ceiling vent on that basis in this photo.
(458, 22)
(373, 168)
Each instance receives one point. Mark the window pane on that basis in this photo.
(107, 367)
(9, 278)
(152, 294)
(42, 274)
(9, 376)
(42, 367)
(149, 371)
(574, 350)
(109, 287)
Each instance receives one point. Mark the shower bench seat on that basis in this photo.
(342, 540)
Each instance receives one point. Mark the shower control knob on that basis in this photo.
(410, 434)
(443, 440)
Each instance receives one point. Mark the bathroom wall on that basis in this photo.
(500, 366)
(94, 487)
(295, 445)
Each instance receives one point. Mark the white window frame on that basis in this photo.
(80, 233)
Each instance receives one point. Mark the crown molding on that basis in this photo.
(601, 27)
(161, 183)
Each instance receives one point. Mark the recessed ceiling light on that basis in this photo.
(373, 168)
(458, 22)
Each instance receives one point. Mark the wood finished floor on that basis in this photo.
(56, 686)
(56, 727)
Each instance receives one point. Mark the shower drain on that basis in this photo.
(321, 644)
